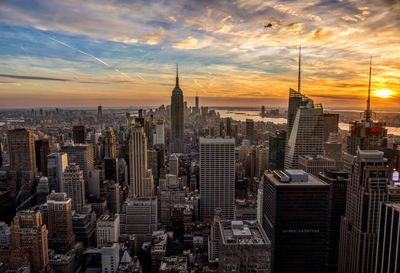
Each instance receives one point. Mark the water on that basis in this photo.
(242, 115)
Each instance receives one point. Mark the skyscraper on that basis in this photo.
(217, 177)
(338, 181)
(59, 221)
(296, 214)
(74, 186)
(250, 130)
(277, 143)
(29, 235)
(110, 144)
(368, 187)
(82, 155)
(330, 124)
(138, 163)
(367, 134)
(56, 164)
(43, 147)
(387, 258)
(21, 150)
(177, 117)
(79, 134)
(305, 129)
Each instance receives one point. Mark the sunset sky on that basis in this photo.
(123, 53)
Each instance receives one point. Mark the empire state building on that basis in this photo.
(177, 123)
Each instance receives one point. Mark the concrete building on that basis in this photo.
(296, 217)
(387, 254)
(138, 170)
(217, 177)
(74, 185)
(368, 187)
(171, 193)
(59, 222)
(110, 144)
(243, 247)
(82, 155)
(172, 264)
(159, 136)
(173, 163)
(107, 229)
(277, 143)
(110, 258)
(139, 217)
(29, 236)
(4, 235)
(316, 164)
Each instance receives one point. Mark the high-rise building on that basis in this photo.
(229, 127)
(316, 164)
(170, 194)
(43, 147)
(277, 144)
(59, 222)
(243, 247)
(159, 137)
(139, 217)
(82, 155)
(107, 229)
(110, 258)
(296, 214)
(74, 186)
(368, 186)
(5, 235)
(79, 134)
(387, 254)
(330, 124)
(250, 130)
(177, 118)
(367, 134)
(217, 177)
(139, 176)
(29, 236)
(338, 181)
(174, 164)
(21, 150)
(197, 103)
(110, 144)
(56, 164)
(304, 129)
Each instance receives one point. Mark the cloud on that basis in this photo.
(32, 78)
(193, 43)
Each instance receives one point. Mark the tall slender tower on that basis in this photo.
(139, 177)
(367, 134)
(197, 101)
(177, 119)
(368, 187)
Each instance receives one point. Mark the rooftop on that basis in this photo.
(242, 233)
(294, 177)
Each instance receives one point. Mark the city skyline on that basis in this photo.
(241, 53)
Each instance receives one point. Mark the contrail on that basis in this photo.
(94, 57)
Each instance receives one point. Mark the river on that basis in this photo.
(242, 115)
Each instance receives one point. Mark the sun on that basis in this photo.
(383, 93)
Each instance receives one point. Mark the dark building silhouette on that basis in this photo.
(295, 218)
(250, 130)
(337, 205)
(177, 117)
(277, 143)
(43, 147)
(330, 124)
(79, 134)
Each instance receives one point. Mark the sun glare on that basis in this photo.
(383, 93)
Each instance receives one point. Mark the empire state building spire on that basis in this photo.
(177, 117)
(177, 76)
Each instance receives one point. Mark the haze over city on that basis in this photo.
(232, 53)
